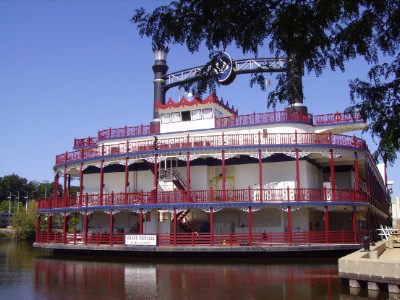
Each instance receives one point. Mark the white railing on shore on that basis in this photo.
(385, 232)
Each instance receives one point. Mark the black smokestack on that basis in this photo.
(160, 69)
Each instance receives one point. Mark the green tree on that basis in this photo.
(74, 190)
(24, 221)
(4, 206)
(311, 34)
(73, 220)
(45, 189)
(15, 184)
(12, 183)
(58, 221)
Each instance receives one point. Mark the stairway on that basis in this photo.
(180, 184)
(186, 224)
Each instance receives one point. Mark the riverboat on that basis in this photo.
(202, 176)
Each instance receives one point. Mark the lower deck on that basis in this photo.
(199, 240)
(107, 245)
(246, 228)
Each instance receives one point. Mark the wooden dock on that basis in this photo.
(376, 269)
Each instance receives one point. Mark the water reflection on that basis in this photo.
(27, 273)
(16, 270)
(78, 280)
(85, 280)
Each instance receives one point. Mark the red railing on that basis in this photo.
(264, 118)
(194, 239)
(115, 133)
(207, 196)
(214, 141)
(129, 131)
(337, 118)
(242, 120)
(85, 142)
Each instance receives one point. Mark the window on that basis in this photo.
(186, 116)
(165, 118)
(163, 216)
(175, 117)
(207, 113)
(218, 114)
(196, 114)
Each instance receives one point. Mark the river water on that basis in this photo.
(29, 273)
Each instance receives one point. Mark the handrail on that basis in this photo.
(208, 196)
(337, 118)
(220, 140)
(86, 142)
(232, 121)
(115, 133)
(264, 118)
(202, 239)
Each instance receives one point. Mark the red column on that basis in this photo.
(355, 224)
(101, 181)
(175, 226)
(141, 221)
(260, 178)
(250, 225)
(80, 184)
(188, 171)
(38, 227)
(211, 226)
(289, 224)
(126, 179)
(85, 228)
(65, 187)
(223, 175)
(357, 171)
(111, 227)
(332, 171)
(326, 216)
(297, 175)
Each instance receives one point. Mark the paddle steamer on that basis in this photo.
(202, 175)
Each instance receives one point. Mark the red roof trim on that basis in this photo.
(184, 102)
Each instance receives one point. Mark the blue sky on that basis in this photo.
(71, 68)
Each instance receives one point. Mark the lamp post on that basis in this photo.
(26, 203)
(18, 203)
(9, 203)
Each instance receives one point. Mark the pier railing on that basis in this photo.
(248, 195)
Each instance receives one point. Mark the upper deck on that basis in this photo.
(212, 113)
(213, 123)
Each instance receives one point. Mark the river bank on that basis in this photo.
(7, 233)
